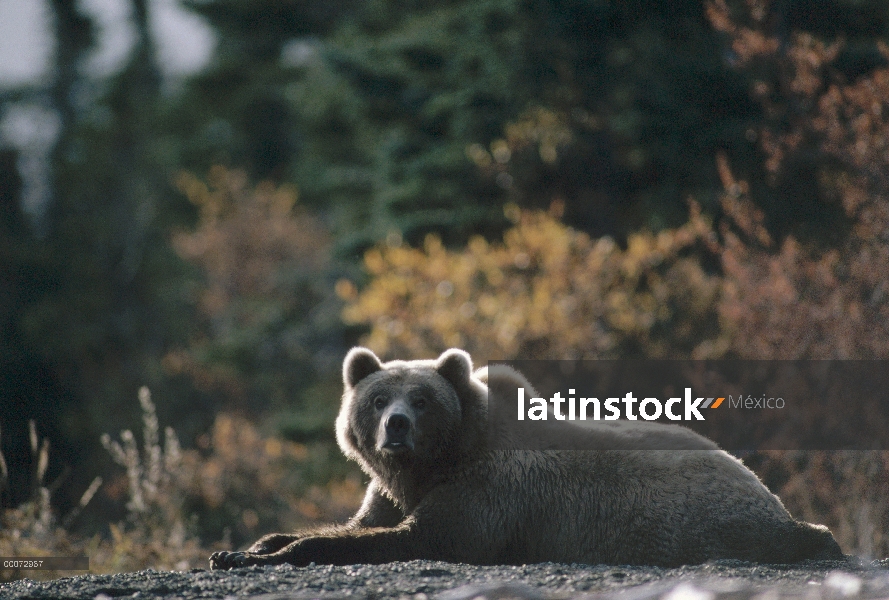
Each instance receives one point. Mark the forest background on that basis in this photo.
(519, 178)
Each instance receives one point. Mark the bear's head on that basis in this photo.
(410, 415)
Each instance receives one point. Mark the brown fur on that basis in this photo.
(438, 493)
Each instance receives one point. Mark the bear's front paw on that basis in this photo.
(271, 543)
(222, 561)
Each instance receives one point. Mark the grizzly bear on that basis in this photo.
(438, 492)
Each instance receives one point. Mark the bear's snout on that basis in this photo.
(398, 425)
(397, 433)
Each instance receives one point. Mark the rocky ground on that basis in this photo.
(421, 580)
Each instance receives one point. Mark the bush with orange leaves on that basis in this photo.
(546, 291)
(791, 299)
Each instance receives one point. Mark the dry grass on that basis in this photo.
(246, 483)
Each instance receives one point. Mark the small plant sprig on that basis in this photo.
(150, 474)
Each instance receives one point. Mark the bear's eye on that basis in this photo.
(379, 402)
(420, 403)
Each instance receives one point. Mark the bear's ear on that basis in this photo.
(359, 363)
(454, 365)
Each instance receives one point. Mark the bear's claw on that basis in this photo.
(221, 561)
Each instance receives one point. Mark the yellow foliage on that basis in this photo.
(545, 291)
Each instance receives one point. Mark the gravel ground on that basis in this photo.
(422, 580)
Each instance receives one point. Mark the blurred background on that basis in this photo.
(205, 203)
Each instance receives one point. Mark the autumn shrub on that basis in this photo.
(545, 291)
(797, 296)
